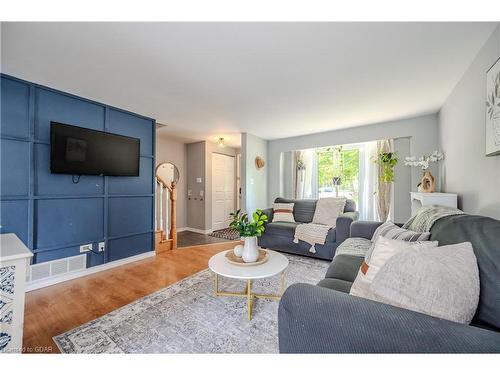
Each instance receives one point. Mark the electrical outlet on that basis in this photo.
(85, 248)
(101, 247)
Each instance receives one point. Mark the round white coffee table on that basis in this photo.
(276, 264)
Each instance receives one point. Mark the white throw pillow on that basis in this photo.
(442, 282)
(384, 249)
(283, 212)
(328, 210)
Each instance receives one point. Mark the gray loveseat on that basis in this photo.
(326, 319)
(279, 235)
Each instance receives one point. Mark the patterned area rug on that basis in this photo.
(227, 234)
(186, 317)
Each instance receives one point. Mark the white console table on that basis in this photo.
(14, 261)
(426, 199)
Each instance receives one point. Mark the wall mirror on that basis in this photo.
(168, 173)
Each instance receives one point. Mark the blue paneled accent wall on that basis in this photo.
(52, 215)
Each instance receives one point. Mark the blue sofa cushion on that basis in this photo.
(484, 234)
(344, 267)
(286, 229)
(280, 228)
(336, 284)
(303, 210)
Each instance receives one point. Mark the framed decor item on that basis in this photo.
(493, 110)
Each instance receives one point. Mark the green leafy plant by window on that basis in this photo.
(388, 161)
(247, 228)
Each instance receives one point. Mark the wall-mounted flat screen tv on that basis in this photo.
(80, 151)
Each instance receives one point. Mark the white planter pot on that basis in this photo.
(250, 250)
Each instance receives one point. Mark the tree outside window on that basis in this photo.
(338, 162)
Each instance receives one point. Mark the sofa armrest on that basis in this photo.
(269, 213)
(364, 229)
(343, 225)
(312, 319)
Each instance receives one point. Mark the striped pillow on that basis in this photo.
(393, 232)
(283, 212)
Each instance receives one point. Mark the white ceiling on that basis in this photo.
(273, 80)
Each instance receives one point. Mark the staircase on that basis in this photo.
(165, 213)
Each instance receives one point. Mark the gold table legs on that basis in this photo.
(247, 293)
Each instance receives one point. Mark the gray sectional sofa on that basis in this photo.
(279, 235)
(326, 319)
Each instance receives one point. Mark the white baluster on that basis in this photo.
(161, 206)
(156, 203)
(167, 214)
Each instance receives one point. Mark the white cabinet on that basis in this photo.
(426, 199)
(14, 261)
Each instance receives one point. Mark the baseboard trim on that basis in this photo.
(201, 231)
(88, 271)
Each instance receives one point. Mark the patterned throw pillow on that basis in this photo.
(384, 250)
(392, 231)
(283, 212)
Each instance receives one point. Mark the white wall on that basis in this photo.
(466, 170)
(173, 151)
(422, 132)
(254, 182)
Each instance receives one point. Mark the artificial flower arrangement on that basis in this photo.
(424, 161)
(428, 182)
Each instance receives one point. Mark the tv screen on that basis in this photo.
(75, 150)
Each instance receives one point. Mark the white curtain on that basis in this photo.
(368, 182)
(305, 181)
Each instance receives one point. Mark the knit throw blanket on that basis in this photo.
(312, 234)
(425, 218)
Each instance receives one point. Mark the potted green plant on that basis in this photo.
(388, 161)
(249, 231)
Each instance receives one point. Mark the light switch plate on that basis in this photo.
(198, 180)
(201, 193)
(85, 248)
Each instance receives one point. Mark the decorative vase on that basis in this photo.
(427, 183)
(250, 250)
(238, 250)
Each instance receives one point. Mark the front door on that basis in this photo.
(223, 183)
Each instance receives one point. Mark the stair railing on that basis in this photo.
(165, 210)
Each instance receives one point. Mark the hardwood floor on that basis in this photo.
(53, 310)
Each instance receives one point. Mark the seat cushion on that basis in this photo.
(354, 246)
(280, 228)
(344, 267)
(336, 284)
(285, 229)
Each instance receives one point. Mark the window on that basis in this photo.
(338, 171)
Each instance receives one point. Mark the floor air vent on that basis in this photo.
(57, 267)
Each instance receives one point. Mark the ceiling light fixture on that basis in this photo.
(220, 142)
